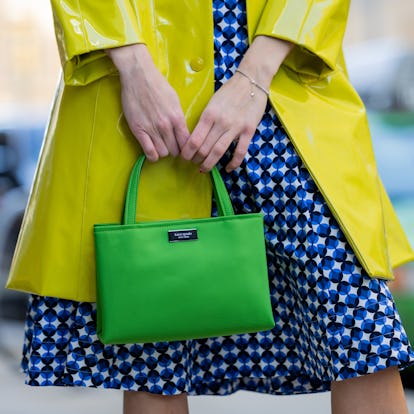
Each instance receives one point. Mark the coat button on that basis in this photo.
(197, 64)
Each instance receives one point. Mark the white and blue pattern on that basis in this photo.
(332, 321)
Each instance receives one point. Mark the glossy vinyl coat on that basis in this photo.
(89, 150)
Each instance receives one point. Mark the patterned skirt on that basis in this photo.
(333, 322)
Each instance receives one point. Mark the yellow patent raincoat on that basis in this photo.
(89, 150)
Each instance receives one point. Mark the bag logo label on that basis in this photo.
(182, 235)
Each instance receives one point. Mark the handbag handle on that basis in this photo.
(224, 206)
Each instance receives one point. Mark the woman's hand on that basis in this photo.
(150, 104)
(232, 113)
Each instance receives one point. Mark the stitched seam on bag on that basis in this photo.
(86, 184)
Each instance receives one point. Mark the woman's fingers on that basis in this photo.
(232, 114)
(147, 146)
(152, 146)
(217, 151)
(180, 129)
(160, 146)
(239, 152)
(198, 136)
(152, 121)
(164, 130)
(217, 132)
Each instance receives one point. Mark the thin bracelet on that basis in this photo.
(253, 83)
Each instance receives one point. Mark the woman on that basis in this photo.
(331, 233)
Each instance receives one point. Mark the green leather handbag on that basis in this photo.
(181, 279)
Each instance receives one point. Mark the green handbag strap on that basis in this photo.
(221, 195)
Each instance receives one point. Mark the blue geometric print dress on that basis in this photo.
(333, 322)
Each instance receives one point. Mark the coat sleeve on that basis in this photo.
(85, 28)
(315, 27)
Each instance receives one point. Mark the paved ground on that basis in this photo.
(16, 398)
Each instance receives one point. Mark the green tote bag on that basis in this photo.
(181, 279)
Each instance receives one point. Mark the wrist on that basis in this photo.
(129, 58)
(264, 57)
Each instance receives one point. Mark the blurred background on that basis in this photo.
(379, 48)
